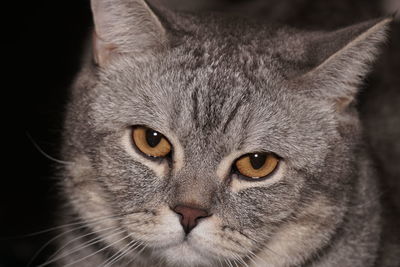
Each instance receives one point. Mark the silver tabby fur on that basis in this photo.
(219, 86)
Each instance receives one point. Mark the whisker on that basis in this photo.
(138, 253)
(122, 252)
(41, 151)
(81, 226)
(75, 222)
(130, 251)
(76, 238)
(219, 262)
(98, 251)
(240, 259)
(266, 247)
(252, 260)
(228, 262)
(86, 244)
(258, 257)
(236, 264)
(160, 261)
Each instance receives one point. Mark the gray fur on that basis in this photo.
(215, 85)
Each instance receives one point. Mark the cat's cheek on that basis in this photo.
(210, 238)
(312, 229)
(164, 230)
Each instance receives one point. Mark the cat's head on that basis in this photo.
(245, 133)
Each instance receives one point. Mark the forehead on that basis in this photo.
(210, 101)
(216, 95)
(202, 88)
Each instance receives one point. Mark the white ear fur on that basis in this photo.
(338, 75)
(124, 26)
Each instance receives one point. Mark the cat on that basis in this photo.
(220, 139)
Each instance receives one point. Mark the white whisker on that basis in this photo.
(121, 253)
(138, 253)
(81, 226)
(258, 257)
(228, 262)
(219, 262)
(236, 264)
(251, 259)
(77, 238)
(91, 242)
(77, 222)
(240, 260)
(98, 251)
(41, 151)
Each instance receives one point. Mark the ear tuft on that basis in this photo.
(343, 58)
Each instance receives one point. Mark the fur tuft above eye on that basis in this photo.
(257, 165)
(151, 142)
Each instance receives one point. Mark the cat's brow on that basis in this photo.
(231, 116)
(195, 105)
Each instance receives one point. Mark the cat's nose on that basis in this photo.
(190, 216)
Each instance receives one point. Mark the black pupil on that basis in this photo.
(257, 160)
(153, 138)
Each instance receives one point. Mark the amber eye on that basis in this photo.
(151, 142)
(257, 165)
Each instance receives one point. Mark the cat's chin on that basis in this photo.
(184, 254)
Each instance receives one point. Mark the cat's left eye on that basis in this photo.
(150, 142)
(257, 165)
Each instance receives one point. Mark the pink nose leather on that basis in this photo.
(190, 216)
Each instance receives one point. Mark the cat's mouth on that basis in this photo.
(185, 253)
(178, 242)
(167, 241)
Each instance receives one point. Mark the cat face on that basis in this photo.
(208, 131)
(214, 96)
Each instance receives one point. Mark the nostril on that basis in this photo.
(190, 216)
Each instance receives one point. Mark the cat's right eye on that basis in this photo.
(256, 166)
(150, 142)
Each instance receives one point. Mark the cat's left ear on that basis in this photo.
(341, 59)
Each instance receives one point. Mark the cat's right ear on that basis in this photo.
(124, 27)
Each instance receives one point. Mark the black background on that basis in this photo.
(45, 40)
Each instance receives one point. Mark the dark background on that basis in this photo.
(46, 40)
